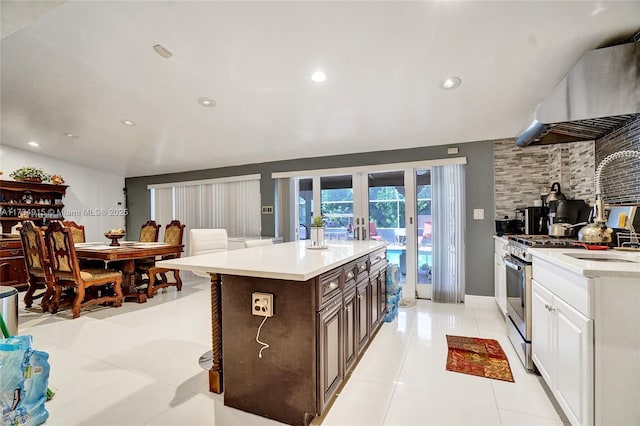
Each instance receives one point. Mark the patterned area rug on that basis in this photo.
(479, 357)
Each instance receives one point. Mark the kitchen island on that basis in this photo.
(586, 332)
(326, 305)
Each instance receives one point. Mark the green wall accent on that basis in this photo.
(479, 194)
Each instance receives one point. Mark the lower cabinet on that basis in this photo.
(363, 307)
(500, 275)
(350, 331)
(349, 316)
(331, 341)
(563, 352)
(13, 271)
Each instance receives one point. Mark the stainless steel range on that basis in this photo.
(519, 276)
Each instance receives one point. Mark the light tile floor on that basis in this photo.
(137, 365)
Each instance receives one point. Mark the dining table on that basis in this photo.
(123, 257)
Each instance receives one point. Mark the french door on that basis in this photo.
(391, 206)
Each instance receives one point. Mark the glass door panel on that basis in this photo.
(337, 207)
(387, 215)
(305, 207)
(423, 229)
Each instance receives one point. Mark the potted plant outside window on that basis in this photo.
(30, 174)
(317, 231)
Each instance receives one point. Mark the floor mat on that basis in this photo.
(479, 357)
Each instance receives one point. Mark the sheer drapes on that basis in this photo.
(234, 206)
(448, 210)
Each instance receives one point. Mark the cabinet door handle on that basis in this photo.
(349, 275)
(14, 252)
(360, 296)
(549, 307)
(357, 233)
(362, 267)
(333, 285)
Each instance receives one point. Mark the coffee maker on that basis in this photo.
(536, 220)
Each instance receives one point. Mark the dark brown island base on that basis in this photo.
(326, 305)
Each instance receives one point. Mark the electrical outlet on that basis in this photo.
(262, 304)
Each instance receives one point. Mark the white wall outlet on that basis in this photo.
(262, 304)
(451, 151)
(478, 214)
(267, 209)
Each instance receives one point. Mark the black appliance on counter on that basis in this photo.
(536, 220)
(569, 211)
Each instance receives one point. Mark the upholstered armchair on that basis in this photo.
(77, 231)
(67, 272)
(149, 232)
(37, 261)
(173, 236)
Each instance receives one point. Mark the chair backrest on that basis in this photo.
(203, 241)
(35, 251)
(149, 232)
(173, 233)
(76, 230)
(256, 243)
(62, 252)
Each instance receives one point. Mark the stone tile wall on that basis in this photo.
(621, 178)
(519, 175)
(522, 174)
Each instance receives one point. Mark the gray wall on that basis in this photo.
(479, 195)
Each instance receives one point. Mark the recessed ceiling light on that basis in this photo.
(34, 143)
(318, 76)
(128, 122)
(450, 83)
(206, 102)
(70, 135)
(160, 50)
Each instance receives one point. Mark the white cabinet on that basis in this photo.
(500, 275)
(563, 352)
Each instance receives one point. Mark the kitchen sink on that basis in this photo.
(602, 257)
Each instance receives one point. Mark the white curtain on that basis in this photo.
(162, 206)
(234, 206)
(448, 210)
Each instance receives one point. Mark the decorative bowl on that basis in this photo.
(114, 238)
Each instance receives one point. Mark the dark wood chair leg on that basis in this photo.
(152, 281)
(176, 274)
(28, 297)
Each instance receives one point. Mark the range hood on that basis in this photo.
(599, 95)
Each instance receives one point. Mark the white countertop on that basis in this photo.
(291, 261)
(593, 268)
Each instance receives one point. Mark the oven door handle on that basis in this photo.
(513, 265)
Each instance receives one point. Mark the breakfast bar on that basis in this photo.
(283, 353)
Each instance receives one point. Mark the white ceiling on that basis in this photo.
(82, 66)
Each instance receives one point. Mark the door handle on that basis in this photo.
(364, 233)
(357, 237)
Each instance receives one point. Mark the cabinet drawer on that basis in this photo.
(13, 244)
(328, 286)
(377, 258)
(361, 267)
(349, 273)
(10, 252)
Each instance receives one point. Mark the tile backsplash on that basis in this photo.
(522, 174)
(621, 178)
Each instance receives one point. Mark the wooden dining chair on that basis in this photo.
(38, 268)
(76, 230)
(107, 283)
(149, 232)
(173, 234)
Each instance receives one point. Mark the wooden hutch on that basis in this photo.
(39, 202)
